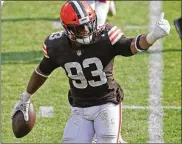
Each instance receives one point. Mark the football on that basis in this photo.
(22, 127)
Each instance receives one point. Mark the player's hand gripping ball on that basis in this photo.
(22, 127)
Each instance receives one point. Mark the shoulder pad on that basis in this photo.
(114, 33)
(55, 35)
(51, 41)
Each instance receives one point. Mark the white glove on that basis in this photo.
(161, 29)
(22, 105)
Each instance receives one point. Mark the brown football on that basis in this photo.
(22, 127)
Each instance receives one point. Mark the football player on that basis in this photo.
(178, 26)
(102, 8)
(1, 3)
(86, 52)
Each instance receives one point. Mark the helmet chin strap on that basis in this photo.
(86, 40)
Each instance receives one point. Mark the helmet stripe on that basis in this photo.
(78, 7)
(83, 9)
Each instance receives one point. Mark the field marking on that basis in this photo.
(141, 27)
(57, 25)
(155, 80)
(148, 107)
(47, 111)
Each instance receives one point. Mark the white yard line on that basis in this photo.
(155, 81)
(148, 107)
(47, 111)
(129, 27)
(57, 25)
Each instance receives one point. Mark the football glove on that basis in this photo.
(22, 105)
(161, 29)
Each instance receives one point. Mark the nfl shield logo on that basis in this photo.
(79, 52)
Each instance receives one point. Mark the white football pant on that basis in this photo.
(104, 121)
(102, 9)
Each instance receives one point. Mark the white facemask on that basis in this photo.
(86, 40)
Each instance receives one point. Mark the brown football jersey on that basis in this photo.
(88, 67)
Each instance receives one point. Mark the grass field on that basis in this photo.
(25, 25)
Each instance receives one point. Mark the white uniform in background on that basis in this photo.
(102, 9)
(2, 3)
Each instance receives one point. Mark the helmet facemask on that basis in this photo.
(79, 20)
(83, 33)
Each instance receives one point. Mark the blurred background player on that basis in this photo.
(103, 8)
(1, 3)
(178, 26)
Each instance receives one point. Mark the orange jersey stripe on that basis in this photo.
(44, 48)
(45, 51)
(114, 35)
(112, 40)
(110, 33)
(116, 38)
(120, 121)
(46, 55)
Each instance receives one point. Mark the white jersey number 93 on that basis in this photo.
(80, 75)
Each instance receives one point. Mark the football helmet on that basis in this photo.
(79, 20)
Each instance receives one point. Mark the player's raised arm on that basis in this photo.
(141, 43)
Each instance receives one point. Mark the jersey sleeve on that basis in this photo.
(47, 65)
(120, 44)
(44, 48)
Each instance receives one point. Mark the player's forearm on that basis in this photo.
(36, 81)
(144, 43)
(140, 44)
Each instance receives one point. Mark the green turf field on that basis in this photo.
(25, 25)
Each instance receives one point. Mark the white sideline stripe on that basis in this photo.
(147, 107)
(47, 111)
(155, 81)
(141, 27)
(57, 25)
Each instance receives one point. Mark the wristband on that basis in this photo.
(137, 45)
